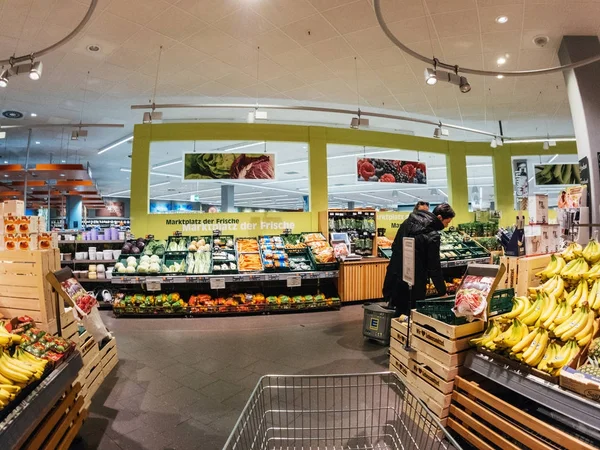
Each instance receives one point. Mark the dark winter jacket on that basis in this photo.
(425, 228)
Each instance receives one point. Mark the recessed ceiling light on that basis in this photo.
(37, 142)
(5, 176)
(63, 161)
(93, 48)
(501, 19)
(33, 115)
(62, 174)
(5, 162)
(499, 76)
(501, 60)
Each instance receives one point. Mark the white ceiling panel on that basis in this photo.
(176, 24)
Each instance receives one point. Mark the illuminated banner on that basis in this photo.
(378, 170)
(228, 166)
(547, 174)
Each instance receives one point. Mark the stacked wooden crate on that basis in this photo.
(61, 425)
(521, 272)
(24, 289)
(439, 351)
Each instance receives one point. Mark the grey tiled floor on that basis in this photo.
(182, 383)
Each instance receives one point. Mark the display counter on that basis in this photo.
(361, 280)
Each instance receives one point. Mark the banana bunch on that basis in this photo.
(18, 371)
(557, 264)
(562, 357)
(554, 286)
(591, 252)
(593, 298)
(575, 269)
(487, 338)
(593, 274)
(534, 352)
(552, 350)
(573, 251)
(530, 315)
(579, 295)
(519, 305)
(512, 335)
(578, 326)
(6, 338)
(561, 312)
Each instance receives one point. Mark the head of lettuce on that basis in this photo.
(208, 165)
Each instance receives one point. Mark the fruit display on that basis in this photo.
(592, 365)
(249, 303)
(199, 245)
(548, 328)
(455, 245)
(391, 171)
(293, 242)
(149, 304)
(451, 287)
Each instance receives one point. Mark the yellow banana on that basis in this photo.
(538, 353)
(561, 357)
(564, 315)
(550, 319)
(569, 323)
(526, 341)
(549, 307)
(534, 344)
(518, 333)
(551, 352)
(594, 300)
(10, 388)
(588, 327)
(579, 326)
(533, 315)
(519, 305)
(560, 288)
(10, 363)
(4, 380)
(12, 375)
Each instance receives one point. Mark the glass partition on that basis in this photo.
(480, 179)
(228, 176)
(391, 179)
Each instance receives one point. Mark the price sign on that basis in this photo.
(150, 237)
(216, 233)
(217, 283)
(287, 231)
(177, 234)
(408, 260)
(153, 284)
(294, 282)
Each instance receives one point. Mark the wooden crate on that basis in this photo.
(109, 356)
(489, 423)
(89, 350)
(450, 331)
(24, 289)
(423, 371)
(421, 358)
(528, 266)
(61, 425)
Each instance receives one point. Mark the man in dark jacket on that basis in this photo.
(424, 226)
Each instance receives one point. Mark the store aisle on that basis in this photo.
(182, 383)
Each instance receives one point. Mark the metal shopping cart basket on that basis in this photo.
(336, 412)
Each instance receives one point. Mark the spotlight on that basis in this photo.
(149, 117)
(500, 61)
(437, 133)
(493, 144)
(35, 73)
(499, 141)
(74, 135)
(501, 19)
(464, 85)
(546, 145)
(4, 78)
(251, 117)
(499, 76)
(357, 122)
(430, 76)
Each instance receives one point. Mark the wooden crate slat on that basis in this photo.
(497, 421)
(481, 429)
(24, 303)
(17, 280)
(450, 331)
(523, 418)
(20, 291)
(65, 444)
(469, 436)
(45, 428)
(63, 426)
(110, 365)
(16, 268)
(444, 372)
(18, 256)
(16, 312)
(440, 341)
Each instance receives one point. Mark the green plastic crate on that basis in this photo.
(441, 308)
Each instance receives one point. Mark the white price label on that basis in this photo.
(408, 260)
(153, 284)
(217, 283)
(294, 282)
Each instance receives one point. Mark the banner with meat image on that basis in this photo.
(379, 170)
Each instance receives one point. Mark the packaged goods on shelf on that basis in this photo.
(10, 224)
(13, 208)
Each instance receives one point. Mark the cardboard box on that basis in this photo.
(14, 207)
(10, 224)
(538, 208)
(19, 241)
(47, 240)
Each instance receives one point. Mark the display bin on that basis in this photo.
(24, 290)
(177, 239)
(319, 266)
(441, 308)
(174, 257)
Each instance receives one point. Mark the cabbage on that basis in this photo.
(119, 266)
(132, 264)
(143, 267)
(130, 269)
(155, 259)
(154, 267)
(131, 260)
(122, 269)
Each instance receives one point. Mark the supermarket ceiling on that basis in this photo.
(307, 56)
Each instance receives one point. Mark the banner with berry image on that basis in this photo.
(377, 170)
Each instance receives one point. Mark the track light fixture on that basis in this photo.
(35, 72)
(432, 76)
(493, 144)
(438, 132)
(546, 145)
(33, 69)
(4, 78)
(499, 141)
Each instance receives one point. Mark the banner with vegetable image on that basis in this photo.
(548, 174)
(379, 170)
(228, 166)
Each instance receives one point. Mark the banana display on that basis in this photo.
(16, 371)
(550, 326)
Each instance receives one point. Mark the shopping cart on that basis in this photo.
(336, 412)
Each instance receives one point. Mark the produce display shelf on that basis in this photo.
(96, 280)
(89, 261)
(233, 278)
(550, 395)
(465, 262)
(21, 422)
(81, 241)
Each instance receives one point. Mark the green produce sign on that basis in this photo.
(391, 171)
(547, 174)
(229, 166)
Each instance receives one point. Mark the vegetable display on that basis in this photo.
(391, 171)
(249, 166)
